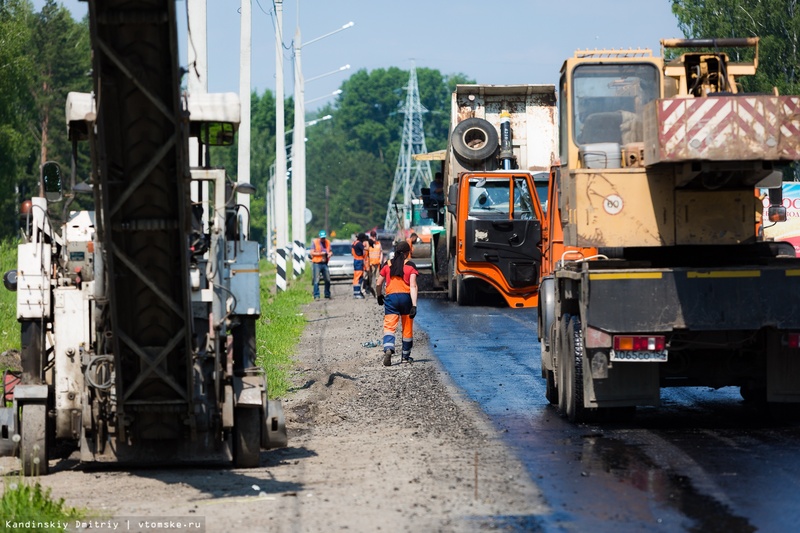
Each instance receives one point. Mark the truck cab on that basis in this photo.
(503, 140)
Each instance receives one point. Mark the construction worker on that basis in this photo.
(399, 275)
(411, 240)
(320, 253)
(375, 259)
(437, 190)
(360, 263)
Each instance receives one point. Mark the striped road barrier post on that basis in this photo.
(299, 252)
(280, 264)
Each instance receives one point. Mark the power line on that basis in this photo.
(410, 175)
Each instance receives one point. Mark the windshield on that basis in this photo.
(489, 198)
(608, 101)
(340, 249)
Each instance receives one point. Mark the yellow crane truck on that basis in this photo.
(656, 273)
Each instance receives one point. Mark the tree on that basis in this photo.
(775, 22)
(17, 67)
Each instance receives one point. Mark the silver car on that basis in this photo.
(340, 265)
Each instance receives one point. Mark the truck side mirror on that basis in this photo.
(51, 178)
(776, 211)
(452, 198)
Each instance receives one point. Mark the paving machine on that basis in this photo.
(138, 318)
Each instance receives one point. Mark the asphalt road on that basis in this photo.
(704, 461)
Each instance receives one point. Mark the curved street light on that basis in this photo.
(299, 148)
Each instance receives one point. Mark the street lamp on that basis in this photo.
(338, 70)
(299, 145)
(337, 92)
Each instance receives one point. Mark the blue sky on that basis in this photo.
(499, 42)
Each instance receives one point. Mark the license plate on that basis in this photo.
(639, 357)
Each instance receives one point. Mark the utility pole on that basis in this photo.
(327, 197)
(243, 172)
(299, 149)
(281, 194)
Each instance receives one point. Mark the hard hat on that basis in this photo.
(322, 234)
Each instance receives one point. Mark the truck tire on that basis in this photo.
(557, 344)
(573, 371)
(550, 391)
(475, 139)
(34, 440)
(464, 296)
(451, 279)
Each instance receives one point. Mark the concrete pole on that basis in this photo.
(281, 194)
(299, 149)
(243, 175)
(270, 215)
(197, 83)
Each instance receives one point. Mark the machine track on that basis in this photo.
(143, 197)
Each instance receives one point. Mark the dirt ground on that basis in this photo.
(371, 448)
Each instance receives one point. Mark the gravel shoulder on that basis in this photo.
(371, 448)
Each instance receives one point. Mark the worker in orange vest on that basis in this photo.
(398, 280)
(360, 263)
(320, 253)
(375, 260)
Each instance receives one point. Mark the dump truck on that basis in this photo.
(138, 317)
(502, 142)
(655, 270)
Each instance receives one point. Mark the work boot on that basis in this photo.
(406, 358)
(387, 357)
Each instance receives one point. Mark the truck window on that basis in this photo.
(523, 203)
(489, 199)
(608, 100)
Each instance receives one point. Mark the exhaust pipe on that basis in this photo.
(506, 150)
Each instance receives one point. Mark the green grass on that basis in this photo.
(9, 327)
(279, 329)
(30, 507)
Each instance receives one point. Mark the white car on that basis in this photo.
(340, 265)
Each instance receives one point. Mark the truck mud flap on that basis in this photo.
(694, 299)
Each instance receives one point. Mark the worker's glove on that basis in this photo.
(381, 299)
(413, 312)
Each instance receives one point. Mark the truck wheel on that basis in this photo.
(557, 344)
(246, 436)
(475, 139)
(550, 391)
(463, 295)
(451, 279)
(573, 371)
(34, 441)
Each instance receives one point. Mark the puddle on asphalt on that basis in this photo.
(631, 465)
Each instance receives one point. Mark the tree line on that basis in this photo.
(46, 54)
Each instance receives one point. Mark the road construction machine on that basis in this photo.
(655, 271)
(502, 143)
(138, 318)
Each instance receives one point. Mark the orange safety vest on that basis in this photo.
(375, 253)
(353, 251)
(317, 247)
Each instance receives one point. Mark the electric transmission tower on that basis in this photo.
(410, 175)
